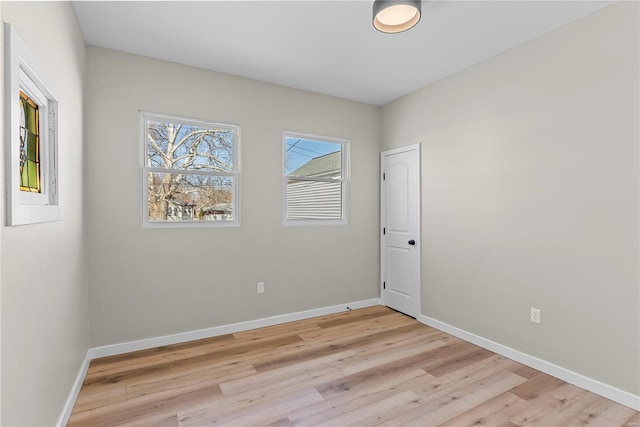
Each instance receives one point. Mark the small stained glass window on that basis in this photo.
(32, 119)
(29, 145)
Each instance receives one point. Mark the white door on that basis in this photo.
(400, 221)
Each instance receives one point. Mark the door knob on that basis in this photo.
(412, 242)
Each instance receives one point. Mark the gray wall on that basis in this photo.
(152, 282)
(45, 332)
(530, 195)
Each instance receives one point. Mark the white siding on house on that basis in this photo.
(314, 200)
(310, 199)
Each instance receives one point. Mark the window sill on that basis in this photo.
(313, 222)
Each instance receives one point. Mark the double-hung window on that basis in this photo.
(190, 172)
(315, 179)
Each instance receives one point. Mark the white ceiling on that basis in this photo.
(328, 47)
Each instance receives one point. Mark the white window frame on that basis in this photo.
(144, 116)
(345, 164)
(24, 73)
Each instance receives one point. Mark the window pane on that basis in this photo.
(306, 157)
(29, 145)
(313, 199)
(190, 197)
(189, 147)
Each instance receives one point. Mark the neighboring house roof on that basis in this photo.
(218, 207)
(325, 165)
(178, 202)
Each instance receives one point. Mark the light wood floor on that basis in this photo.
(364, 367)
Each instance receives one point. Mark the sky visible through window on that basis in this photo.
(299, 151)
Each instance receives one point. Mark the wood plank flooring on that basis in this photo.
(364, 367)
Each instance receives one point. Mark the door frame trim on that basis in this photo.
(418, 148)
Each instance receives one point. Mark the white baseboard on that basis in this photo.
(111, 350)
(75, 390)
(597, 387)
(605, 390)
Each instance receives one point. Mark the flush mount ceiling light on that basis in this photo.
(391, 16)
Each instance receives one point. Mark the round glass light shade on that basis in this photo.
(395, 16)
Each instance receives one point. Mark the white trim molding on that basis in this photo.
(75, 390)
(114, 349)
(605, 390)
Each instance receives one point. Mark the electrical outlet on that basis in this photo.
(260, 287)
(536, 316)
